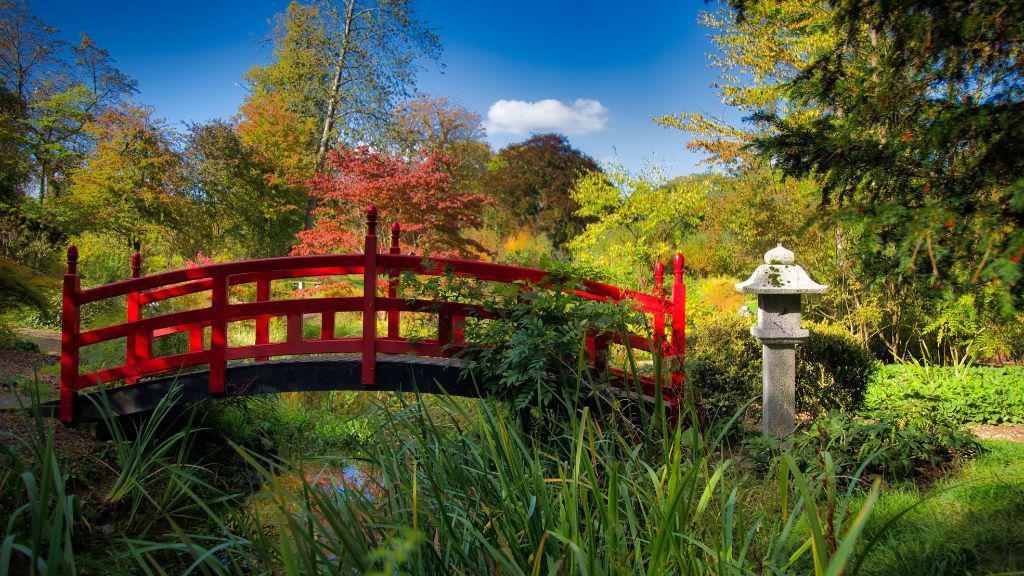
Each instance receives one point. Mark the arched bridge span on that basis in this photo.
(377, 359)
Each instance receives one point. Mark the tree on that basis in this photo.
(413, 192)
(531, 183)
(131, 183)
(918, 137)
(756, 55)
(15, 164)
(59, 88)
(345, 64)
(427, 125)
(635, 220)
(435, 124)
(279, 138)
(242, 202)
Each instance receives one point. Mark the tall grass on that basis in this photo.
(151, 465)
(46, 531)
(37, 536)
(466, 492)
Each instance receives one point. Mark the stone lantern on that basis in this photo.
(778, 284)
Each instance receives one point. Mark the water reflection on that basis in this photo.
(348, 476)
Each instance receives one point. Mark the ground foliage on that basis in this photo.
(954, 394)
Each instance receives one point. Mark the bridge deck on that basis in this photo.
(342, 372)
(396, 373)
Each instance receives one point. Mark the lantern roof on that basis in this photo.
(780, 275)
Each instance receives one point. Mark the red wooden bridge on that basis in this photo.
(373, 361)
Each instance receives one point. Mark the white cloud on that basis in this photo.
(520, 117)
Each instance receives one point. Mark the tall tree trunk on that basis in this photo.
(42, 182)
(332, 105)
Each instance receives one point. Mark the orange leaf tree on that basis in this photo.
(416, 192)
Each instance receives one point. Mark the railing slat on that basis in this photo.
(678, 343)
(262, 322)
(327, 326)
(294, 328)
(369, 363)
(195, 339)
(394, 316)
(218, 335)
(138, 346)
(444, 330)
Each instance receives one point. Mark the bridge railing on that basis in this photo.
(667, 308)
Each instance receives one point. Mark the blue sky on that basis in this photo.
(600, 70)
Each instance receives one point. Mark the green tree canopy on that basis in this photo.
(131, 184)
(240, 203)
(636, 220)
(919, 135)
(531, 183)
(58, 88)
(344, 64)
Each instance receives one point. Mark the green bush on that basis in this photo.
(896, 448)
(724, 366)
(833, 369)
(955, 394)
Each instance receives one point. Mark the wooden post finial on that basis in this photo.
(396, 231)
(72, 259)
(371, 220)
(136, 265)
(677, 264)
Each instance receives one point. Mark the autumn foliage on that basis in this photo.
(414, 192)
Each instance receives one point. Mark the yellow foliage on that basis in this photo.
(527, 246)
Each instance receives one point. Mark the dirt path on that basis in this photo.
(1011, 432)
(20, 369)
(47, 340)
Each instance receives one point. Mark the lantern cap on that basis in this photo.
(779, 275)
(779, 255)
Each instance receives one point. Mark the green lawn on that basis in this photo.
(971, 522)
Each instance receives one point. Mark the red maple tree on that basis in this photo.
(416, 192)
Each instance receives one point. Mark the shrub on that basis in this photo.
(894, 447)
(724, 366)
(955, 394)
(833, 369)
(533, 351)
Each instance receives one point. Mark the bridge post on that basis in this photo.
(659, 315)
(218, 334)
(369, 343)
(262, 322)
(394, 316)
(678, 344)
(444, 331)
(70, 318)
(136, 348)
